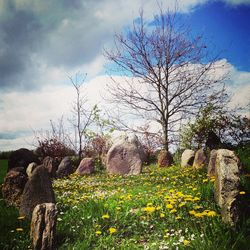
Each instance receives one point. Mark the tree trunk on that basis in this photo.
(165, 136)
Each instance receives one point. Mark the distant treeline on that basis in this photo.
(5, 154)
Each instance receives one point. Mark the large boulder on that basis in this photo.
(187, 158)
(51, 164)
(31, 168)
(13, 187)
(37, 190)
(212, 163)
(125, 157)
(165, 158)
(21, 158)
(86, 166)
(43, 227)
(199, 159)
(227, 183)
(65, 168)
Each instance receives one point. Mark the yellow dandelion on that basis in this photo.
(192, 212)
(105, 216)
(198, 215)
(173, 211)
(186, 242)
(169, 206)
(162, 215)
(211, 213)
(181, 204)
(242, 192)
(149, 209)
(178, 217)
(112, 230)
(98, 233)
(19, 229)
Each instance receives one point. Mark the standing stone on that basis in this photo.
(13, 187)
(187, 158)
(125, 157)
(43, 227)
(227, 182)
(212, 163)
(37, 190)
(86, 166)
(51, 164)
(199, 159)
(21, 158)
(31, 168)
(165, 159)
(65, 168)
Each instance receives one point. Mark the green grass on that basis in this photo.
(10, 222)
(160, 209)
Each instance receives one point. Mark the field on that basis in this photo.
(160, 209)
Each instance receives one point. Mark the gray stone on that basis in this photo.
(13, 187)
(65, 168)
(43, 227)
(125, 157)
(37, 190)
(187, 158)
(51, 164)
(86, 166)
(212, 163)
(227, 183)
(31, 168)
(199, 159)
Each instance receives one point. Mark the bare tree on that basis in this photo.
(169, 74)
(82, 116)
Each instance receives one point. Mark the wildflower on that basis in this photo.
(198, 215)
(172, 211)
(19, 229)
(182, 204)
(149, 209)
(112, 230)
(162, 215)
(178, 217)
(242, 192)
(186, 242)
(105, 216)
(21, 217)
(211, 214)
(205, 180)
(169, 206)
(98, 232)
(192, 212)
(196, 199)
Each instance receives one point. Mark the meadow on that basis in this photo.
(163, 208)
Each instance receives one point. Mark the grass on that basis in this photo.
(14, 229)
(160, 209)
(167, 208)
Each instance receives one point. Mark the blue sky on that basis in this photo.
(44, 42)
(228, 29)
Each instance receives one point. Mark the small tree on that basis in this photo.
(82, 116)
(169, 74)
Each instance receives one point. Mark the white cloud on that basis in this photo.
(23, 111)
(237, 2)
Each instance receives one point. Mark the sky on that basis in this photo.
(43, 42)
